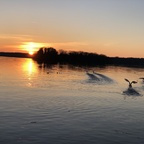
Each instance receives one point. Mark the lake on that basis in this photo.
(63, 104)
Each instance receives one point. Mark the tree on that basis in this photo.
(47, 55)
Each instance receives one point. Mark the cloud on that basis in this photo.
(15, 37)
(71, 44)
(111, 44)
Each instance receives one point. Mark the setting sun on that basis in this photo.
(31, 47)
(31, 52)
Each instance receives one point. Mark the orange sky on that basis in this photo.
(113, 28)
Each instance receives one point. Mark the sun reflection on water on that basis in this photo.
(30, 71)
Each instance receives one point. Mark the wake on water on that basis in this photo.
(100, 78)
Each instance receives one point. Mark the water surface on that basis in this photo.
(63, 105)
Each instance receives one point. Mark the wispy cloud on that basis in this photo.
(110, 44)
(15, 37)
(71, 44)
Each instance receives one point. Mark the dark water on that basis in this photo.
(65, 105)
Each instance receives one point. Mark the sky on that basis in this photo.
(110, 27)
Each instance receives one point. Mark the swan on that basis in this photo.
(131, 91)
(130, 83)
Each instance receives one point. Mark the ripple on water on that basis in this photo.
(68, 107)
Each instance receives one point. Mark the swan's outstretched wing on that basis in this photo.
(127, 80)
(142, 78)
(134, 82)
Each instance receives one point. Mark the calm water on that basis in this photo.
(65, 105)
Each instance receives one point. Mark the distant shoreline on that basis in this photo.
(15, 54)
(99, 60)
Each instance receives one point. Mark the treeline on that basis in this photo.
(129, 62)
(52, 56)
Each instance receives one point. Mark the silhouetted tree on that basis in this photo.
(50, 55)
(46, 55)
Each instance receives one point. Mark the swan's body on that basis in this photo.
(131, 92)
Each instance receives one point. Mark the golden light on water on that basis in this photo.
(30, 71)
(29, 67)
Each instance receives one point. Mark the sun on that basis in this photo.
(31, 52)
(31, 47)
